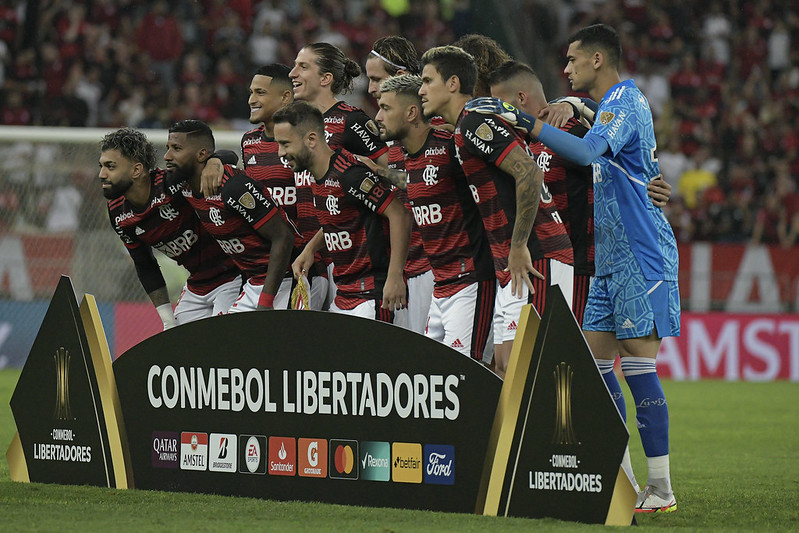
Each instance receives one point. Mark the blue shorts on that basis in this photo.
(630, 305)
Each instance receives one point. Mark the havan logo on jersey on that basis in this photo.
(252, 452)
(193, 451)
(439, 466)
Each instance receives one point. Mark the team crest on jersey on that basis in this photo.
(372, 127)
(331, 203)
(167, 212)
(605, 117)
(484, 132)
(247, 200)
(366, 185)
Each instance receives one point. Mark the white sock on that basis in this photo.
(658, 473)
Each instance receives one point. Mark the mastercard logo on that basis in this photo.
(343, 459)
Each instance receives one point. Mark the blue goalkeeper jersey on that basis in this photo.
(628, 227)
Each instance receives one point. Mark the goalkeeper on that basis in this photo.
(634, 300)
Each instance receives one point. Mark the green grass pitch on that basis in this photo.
(734, 465)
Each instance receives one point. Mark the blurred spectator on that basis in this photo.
(159, 36)
(771, 222)
(698, 177)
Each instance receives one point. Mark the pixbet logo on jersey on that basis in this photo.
(312, 457)
(252, 454)
(282, 456)
(343, 459)
(439, 464)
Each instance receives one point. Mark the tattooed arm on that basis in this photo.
(529, 178)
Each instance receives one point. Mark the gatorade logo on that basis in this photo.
(312, 457)
(344, 459)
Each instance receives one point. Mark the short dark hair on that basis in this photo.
(509, 70)
(132, 144)
(302, 116)
(600, 37)
(399, 51)
(331, 59)
(487, 54)
(453, 61)
(277, 71)
(196, 130)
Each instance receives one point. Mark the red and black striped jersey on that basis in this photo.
(573, 189)
(350, 199)
(167, 223)
(482, 143)
(448, 219)
(350, 128)
(417, 262)
(290, 190)
(233, 216)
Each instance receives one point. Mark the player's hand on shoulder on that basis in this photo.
(487, 105)
(211, 177)
(557, 114)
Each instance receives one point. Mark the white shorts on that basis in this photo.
(420, 294)
(508, 308)
(248, 299)
(327, 304)
(370, 310)
(463, 321)
(318, 293)
(192, 306)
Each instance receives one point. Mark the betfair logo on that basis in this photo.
(407, 465)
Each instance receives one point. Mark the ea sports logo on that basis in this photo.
(253, 456)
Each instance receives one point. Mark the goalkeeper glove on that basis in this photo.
(494, 106)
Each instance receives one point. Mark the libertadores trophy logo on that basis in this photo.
(564, 427)
(62, 410)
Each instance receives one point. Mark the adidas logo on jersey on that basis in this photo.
(512, 326)
(456, 344)
(251, 160)
(628, 324)
(139, 231)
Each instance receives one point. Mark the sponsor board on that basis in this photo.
(166, 453)
(222, 452)
(193, 451)
(375, 461)
(343, 459)
(439, 464)
(312, 457)
(282, 456)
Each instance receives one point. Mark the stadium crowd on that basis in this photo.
(722, 78)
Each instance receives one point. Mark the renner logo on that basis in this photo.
(439, 468)
(282, 456)
(312, 457)
(193, 451)
(251, 458)
(407, 465)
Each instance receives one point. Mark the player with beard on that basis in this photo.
(243, 218)
(449, 222)
(393, 56)
(146, 215)
(354, 206)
